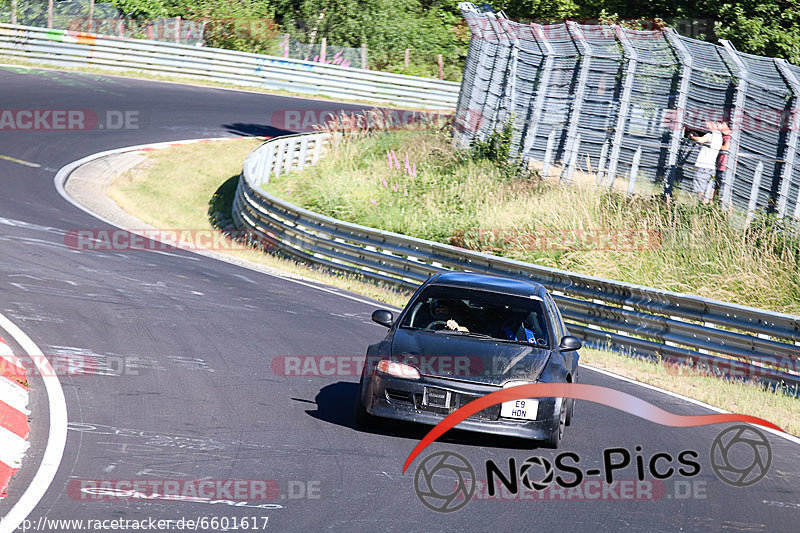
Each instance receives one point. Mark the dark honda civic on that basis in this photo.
(464, 335)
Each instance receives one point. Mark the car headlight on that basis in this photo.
(398, 370)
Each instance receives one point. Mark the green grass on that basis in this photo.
(457, 199)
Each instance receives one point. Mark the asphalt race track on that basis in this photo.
(199, 399)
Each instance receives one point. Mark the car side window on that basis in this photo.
(555, 318)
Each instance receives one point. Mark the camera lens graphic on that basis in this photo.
(448, 465)
(741, 456)
(525, 473)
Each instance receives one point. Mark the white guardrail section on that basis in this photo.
(727, 339)
(74, 49)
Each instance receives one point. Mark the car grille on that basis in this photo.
(457, 400)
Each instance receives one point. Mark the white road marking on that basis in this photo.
(56, 438)
(787, 436)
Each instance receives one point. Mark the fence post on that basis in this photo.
(440, 59)
(541, 90)
(585, 54)
(364, 64)
(50, 14)
(497, 109)
(622, 118)
(407, 58)
(736, 123)
(548, 153)
(510, 81)
(91, 15)
(680, 112)
(751, 207)
(13, 11)
(573, 159)
(323, 49)
(634, 171)
(602, 163)
(177, 29)
(791, 144)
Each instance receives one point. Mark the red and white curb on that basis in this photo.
(14, 413)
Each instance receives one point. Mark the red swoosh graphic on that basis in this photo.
(592, 393)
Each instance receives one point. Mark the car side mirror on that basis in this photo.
(384, 317)
(569, 343)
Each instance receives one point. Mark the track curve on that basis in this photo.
(200, 399)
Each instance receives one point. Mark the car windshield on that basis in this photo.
(478, 313)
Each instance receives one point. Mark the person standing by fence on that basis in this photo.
(706, 164)
(722, 159)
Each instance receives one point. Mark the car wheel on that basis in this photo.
(554, 440)
(570, 411)
(360, 415)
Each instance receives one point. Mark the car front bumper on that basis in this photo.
(403, 399)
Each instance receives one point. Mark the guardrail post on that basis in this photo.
(318, 144)
(601, 165)
(737, 120)
(541, 90)
(585, 53)
(266, 172)
(677, 125)
(791, 144)
(751, 207)
(622, 118)
(279, 157)
(301, 162)
(634, 171)
(548, 153)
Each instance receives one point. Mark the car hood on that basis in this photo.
(467, 358)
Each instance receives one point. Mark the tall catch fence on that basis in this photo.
(621, 103)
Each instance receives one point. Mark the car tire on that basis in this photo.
(360, 415)
(570, 411)
(553, 441)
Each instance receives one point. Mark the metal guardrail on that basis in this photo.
(74, 49)
(720, 336)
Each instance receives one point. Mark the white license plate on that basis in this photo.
(521, 409)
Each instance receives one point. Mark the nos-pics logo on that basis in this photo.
(446, 482)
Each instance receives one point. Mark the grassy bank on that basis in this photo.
(452, 198)
(192, 187)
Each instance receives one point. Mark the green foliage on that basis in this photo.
(433, 27)
(387, 27)
(145, 9)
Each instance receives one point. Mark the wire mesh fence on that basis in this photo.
(625, 104)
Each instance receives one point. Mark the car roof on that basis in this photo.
(488, 282)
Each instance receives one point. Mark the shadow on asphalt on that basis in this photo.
(255, 130)
(335, 404)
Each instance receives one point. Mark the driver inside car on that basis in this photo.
(449, 311)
